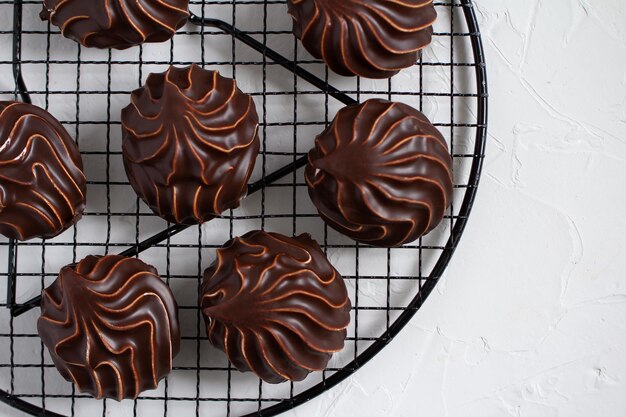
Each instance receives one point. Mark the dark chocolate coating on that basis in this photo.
(42, 184)
(190, 142)
(117, 24)
(111, 326)
(275, 305)
(372, 39)
(380, 174)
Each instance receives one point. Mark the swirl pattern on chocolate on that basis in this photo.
(372, 39)
(380, 174)
(190, 142)
(42, 184)
(117, 24)
(110, 325)
(275, 305)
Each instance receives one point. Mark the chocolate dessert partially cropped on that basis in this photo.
(380, 174)
(111, 326)
(42, 184)
(372, 39)
(190, 142)
(275, 305)
(117, 24)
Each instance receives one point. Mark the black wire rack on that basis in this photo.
(296, 97)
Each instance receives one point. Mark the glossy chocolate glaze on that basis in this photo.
(190, 142)
(275, 305)
(372, 39)
(381, 173)
(111, 326)
(116, 24)
(42, 184)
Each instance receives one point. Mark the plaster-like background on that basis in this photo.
(529, 320)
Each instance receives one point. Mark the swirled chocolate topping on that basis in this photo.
(117, 24)
(42, 184)
(111, 326)
(275, 305)
(190, 143)
(380, 174)
(372, 39)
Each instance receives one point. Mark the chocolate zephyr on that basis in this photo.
(190, 143)
(116, 24)
(111, 326)
(373, 39)
(42, 185)
(380, 174)
(275, 305)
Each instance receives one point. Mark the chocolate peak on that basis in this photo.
(372, 39)
(275, 305)
(110, 325)
(190, 142)
(117, 24)
(381, 174)
(42, 184)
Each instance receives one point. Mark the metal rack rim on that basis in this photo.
(429, 283)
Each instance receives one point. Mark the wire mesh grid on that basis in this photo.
(296, 97)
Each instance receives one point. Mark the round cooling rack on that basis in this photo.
(296, 97)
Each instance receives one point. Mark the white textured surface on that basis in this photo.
(529, 318)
